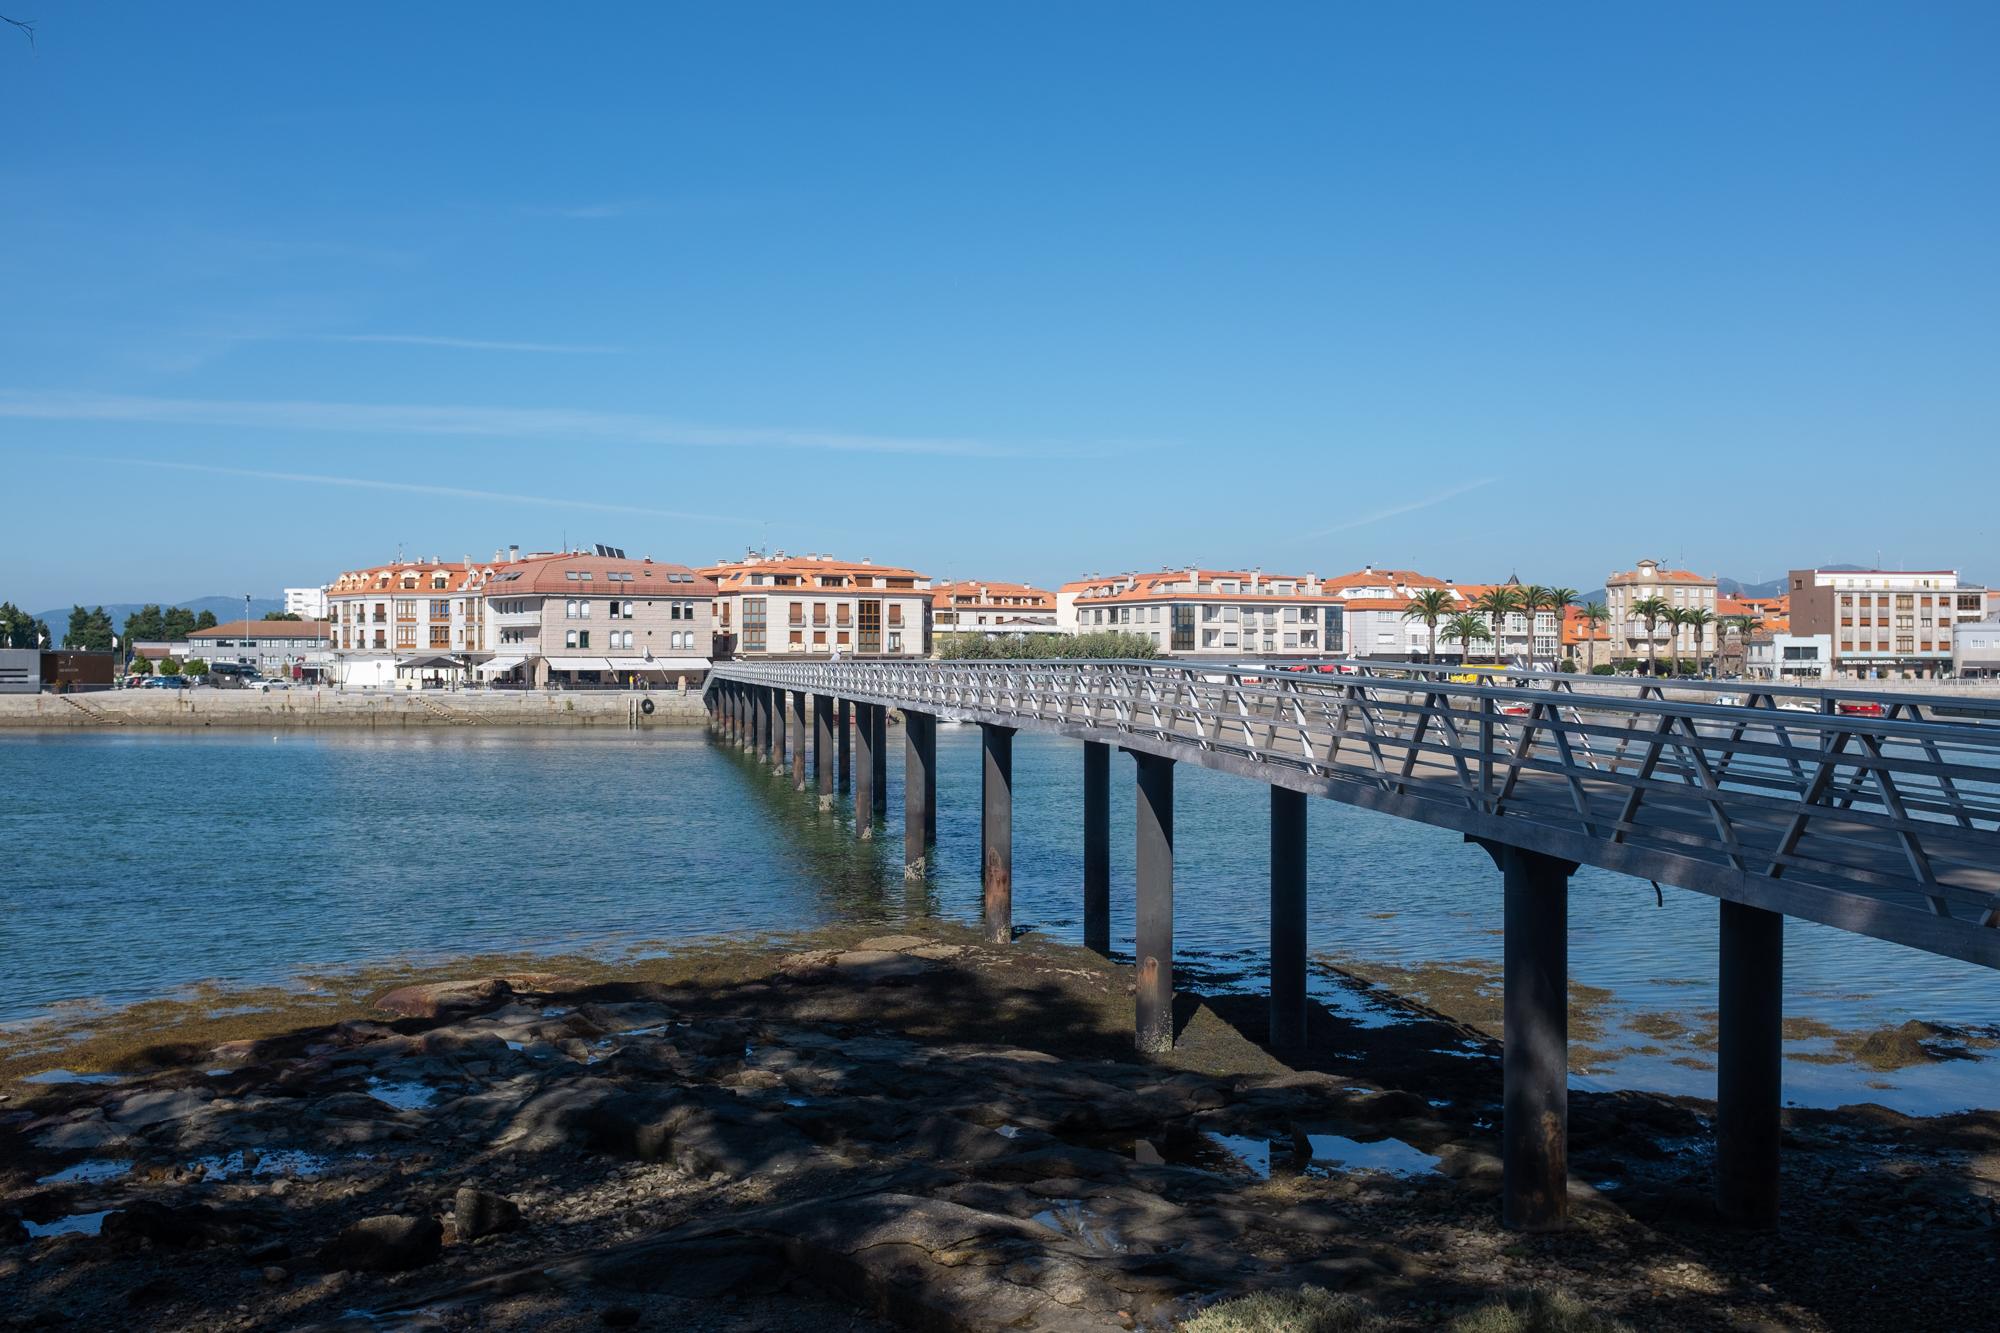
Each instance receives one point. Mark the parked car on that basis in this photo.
(268, 683)
(167, 682)
(1860, 710)
(233, 676)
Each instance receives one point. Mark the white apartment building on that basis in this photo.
(990, 607)
(1680, 588)
(1209, 612)
(1975, 649)
(1885, 624)
(392, 615)
(306, 603)
(819, 606)
(1375, 626)
(1784, 656)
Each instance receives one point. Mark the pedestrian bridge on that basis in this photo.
(1877, 813)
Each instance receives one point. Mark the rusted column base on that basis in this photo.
(996, 830)
(1155, 861)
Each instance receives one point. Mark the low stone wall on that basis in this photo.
(351, 708)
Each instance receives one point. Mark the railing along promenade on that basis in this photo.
(1877, 813)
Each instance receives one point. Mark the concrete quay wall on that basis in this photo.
(112, 709)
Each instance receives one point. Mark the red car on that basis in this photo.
(1860, 710)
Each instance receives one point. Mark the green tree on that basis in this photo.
(1652, 610)
(1431, 605)
(1558, 601)
(18, 629)
(1535, 599)
(1467, 627)
(283, 615)
(169, 667)
(206, 620)
(1496, 604)
(146, 625)
(1106, 644)
(176, 624)
(1698, 619)
(1741, 628)
(194, 666)
(140, 666)
(88, 630)
(1594, 616)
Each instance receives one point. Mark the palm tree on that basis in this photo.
(1593, 615)
(1698, 619)
(1466, 626)
(1534, 600)
(1558, 601)
(1652, 610)
(1496, 604)
(1744, 626)
(1430, 606)
(1676, 619)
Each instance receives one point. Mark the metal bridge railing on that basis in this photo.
(1875, 812)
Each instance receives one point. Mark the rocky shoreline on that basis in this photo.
(915, 1131)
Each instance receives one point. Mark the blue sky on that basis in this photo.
(1013, 291)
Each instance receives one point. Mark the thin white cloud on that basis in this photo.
(418, 488)
(468, 344)
(567, 425)
(1411, 507)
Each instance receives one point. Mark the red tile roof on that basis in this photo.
(549, 574)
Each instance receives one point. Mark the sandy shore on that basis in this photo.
(918, 1130)
(388, 709)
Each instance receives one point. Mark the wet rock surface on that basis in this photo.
(915, 1131)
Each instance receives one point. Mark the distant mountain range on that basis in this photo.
(225, 608)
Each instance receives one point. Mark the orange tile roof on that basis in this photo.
(546, 574)
(1161, 594)
(1575, 629)
(1660, 575)
(982, 592)
(391, 577)
(732, 575)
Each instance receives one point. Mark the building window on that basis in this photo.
(753, 624)
(569, 638)
(895, 641)
(1181, 637)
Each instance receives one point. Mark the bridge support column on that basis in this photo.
(996, 830)
(1534, 1130)
(1155, 864)
(778, 732)
(919, 791)
(753, 720)
(1097, 846)
(843, 730)
(878, 751)
(1750, 1060)
(801, 739)
(1288, 919)
(823, 749)
(760, 717)
(744, 725)
(864, 786)
(734, 733)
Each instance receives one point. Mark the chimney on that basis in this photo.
(513, 552)
(1368, 569)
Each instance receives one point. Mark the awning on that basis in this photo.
(500, 666)
(431, 663)
(578, 664)
(670, 665)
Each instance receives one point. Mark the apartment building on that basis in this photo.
(1210, 612)
(1374, 602)
(583, 620)
(991, 607)
(1677, 588)
(385, 615)
(818, 606)
(1884, 624)
(306, 603)
(1975, 649)
(1515, 640)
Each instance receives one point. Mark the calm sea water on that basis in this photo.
(138, 864)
